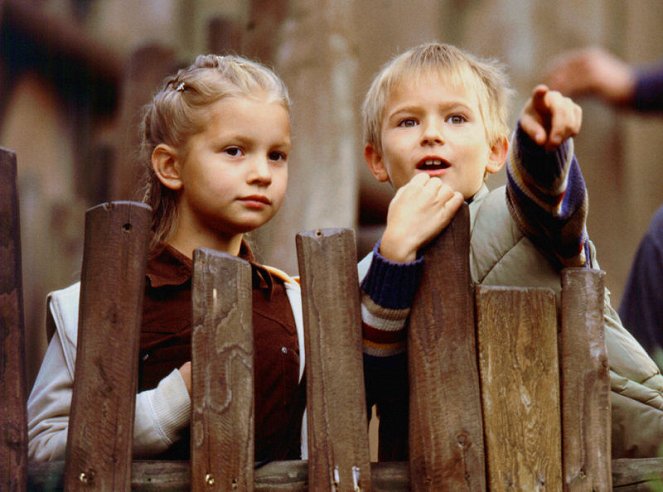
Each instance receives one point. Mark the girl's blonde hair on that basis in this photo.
(178, 111)
(485, 77)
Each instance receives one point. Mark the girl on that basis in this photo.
(216, 140)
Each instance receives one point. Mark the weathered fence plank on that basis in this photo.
(446, 432)
(285, 476)
(222, 423)
(13, 426)
(585, 379)
(144, 70)
(339, 458)
(99, 440)
(637, 474)
(517, 334)
(628, 475)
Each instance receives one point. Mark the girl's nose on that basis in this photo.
(260, 172)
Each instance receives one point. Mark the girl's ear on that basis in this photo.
(375, 163)
(497, 156)
(166, 165)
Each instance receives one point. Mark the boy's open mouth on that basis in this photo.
(432, 164)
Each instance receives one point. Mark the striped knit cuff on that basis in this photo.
(392, 285)
(383, 330)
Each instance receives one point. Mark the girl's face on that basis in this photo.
(234, 173)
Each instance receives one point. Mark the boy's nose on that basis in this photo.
(432, 134)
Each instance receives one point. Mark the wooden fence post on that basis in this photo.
(585, 377)
(339, 458)
(446, 432)
(13, 426)
(144, 70)
(517, 333)
(99, 440)
(222, 422)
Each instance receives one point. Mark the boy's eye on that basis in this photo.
(233, 151)
(277, 156)
(407, 122)
(456, 119)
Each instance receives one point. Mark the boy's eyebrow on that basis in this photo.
(414, 108)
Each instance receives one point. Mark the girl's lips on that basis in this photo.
(255, 201)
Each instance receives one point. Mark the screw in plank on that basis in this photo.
(337, 477)
(86, 477)
(209, 480)
(356, 477)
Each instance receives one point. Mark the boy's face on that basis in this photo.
(433, 127)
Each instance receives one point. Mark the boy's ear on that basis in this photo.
(166, 165)
(498, 153)
(375, 164)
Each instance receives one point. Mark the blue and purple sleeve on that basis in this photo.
(547, 197)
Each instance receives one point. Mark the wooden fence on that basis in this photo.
(503, 395)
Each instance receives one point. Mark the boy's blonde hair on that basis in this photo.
(486, 77)
(179, 110)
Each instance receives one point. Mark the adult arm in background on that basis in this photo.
(596, 72)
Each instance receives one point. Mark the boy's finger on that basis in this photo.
(540, 101)
(455, 200)
(566, 122)
(558, 127)
(420, 179)
(534, 129)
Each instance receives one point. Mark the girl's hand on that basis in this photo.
(419, 211)
(185, 372)
(549, 118)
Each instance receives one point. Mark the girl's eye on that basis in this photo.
(277, 156)
(233, 151)
(407, 122)
(456, 119)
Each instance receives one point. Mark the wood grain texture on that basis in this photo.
(222, 419)
(99, 440)
(143, 71)
(290, 476)
(628, 475)
(339, 456)
(585, 380)
(517, 334)
(13, 425)
(446, 431)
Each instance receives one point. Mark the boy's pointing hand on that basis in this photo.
(419, 211)
(549, 118)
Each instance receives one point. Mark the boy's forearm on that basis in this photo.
(387, 294)
(547, 197)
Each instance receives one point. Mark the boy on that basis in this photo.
(438, 112)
